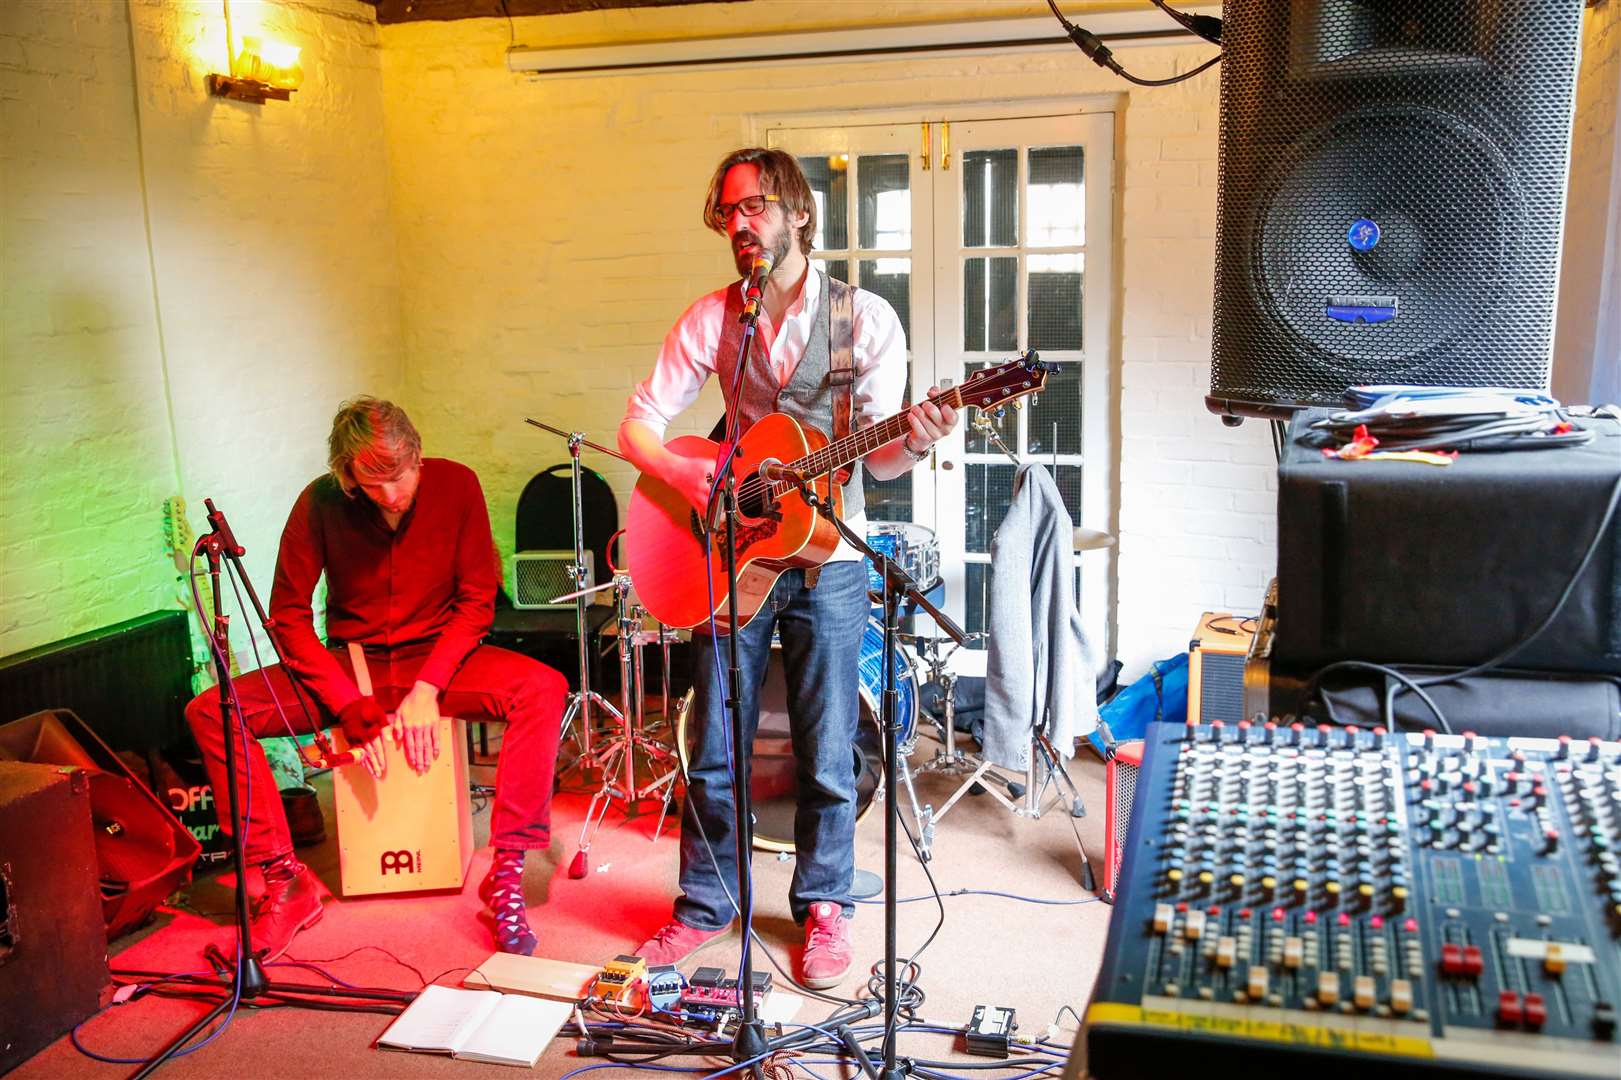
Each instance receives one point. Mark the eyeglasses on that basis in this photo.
(753, 206)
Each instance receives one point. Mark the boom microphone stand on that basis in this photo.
(249, 981)
(898, 586)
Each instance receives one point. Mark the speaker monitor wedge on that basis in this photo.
(143, 853)
(1392, 191)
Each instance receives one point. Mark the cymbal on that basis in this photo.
(1092, 539)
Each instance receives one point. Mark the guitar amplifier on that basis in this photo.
(1216, 659)
(537, 576)
(1120, 787)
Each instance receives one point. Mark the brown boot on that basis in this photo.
(291, 901)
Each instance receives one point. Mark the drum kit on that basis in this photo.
(641, 758)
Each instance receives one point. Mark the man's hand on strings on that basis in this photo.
(930, 422)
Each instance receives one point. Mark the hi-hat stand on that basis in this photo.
(581, 700)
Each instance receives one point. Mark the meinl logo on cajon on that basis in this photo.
(399, 862)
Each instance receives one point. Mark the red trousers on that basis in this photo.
(492, 683)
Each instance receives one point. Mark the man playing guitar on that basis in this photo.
(833, 357)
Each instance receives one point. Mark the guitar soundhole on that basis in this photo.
(754, 500)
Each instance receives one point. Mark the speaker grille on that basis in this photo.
(1391, 194)
(537, 576)
(1221, 687)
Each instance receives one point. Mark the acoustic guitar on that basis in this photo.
(679, 570)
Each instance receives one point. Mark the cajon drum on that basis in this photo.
(405, 832)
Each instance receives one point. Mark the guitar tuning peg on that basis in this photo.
(1000, 411)
(1017, 405)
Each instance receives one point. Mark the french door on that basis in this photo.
(989, 237)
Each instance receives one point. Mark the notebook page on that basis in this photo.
(516, 1032)
(439, 1019)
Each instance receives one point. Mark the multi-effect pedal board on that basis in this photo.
(1336, 900)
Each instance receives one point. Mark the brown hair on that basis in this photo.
(780, 175)
(375, 434)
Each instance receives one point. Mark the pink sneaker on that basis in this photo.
(676, 941)
(827, 946)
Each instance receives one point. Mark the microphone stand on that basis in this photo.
(250, 981)
(898, 586)
(750, 1041)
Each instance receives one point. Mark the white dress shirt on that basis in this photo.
(687, 360)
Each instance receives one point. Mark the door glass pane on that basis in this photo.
(828, 176)
(1055, 418)
(1055, 301)
(990, 489)
(977, 589)
(990, 198)
(990, 292)
(884, 212)
(888, 500)
(839, 268)
(1057, 197)
(990, 492)
(891, 279)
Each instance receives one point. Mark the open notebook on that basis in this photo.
(477, 1025)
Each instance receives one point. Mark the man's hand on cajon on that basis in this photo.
(416, 726)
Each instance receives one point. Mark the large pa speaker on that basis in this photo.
(1391, 195)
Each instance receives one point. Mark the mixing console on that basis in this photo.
(1314, 896)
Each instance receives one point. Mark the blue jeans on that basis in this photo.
(821, 632)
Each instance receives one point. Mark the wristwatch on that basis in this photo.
(915, 455)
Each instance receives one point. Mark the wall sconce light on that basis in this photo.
(260, 71)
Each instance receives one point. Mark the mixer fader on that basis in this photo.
(1340, 897)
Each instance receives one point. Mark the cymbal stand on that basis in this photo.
(580, 700)
(616, 756)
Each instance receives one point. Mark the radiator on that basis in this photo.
(129, 682)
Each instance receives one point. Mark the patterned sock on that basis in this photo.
(503, 892)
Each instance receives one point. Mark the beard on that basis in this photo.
(745, 263)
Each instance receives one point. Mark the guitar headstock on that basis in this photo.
(994, 387)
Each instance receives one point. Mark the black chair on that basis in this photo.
(545, 518)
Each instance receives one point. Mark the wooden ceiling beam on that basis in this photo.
(399, 11)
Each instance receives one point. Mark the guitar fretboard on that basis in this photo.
(855, 446)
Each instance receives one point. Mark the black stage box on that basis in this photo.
(1405, 563)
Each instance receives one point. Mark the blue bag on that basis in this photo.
(1162, 694)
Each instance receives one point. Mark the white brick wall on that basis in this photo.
(524, 245)
(271, 271)
(549, 233)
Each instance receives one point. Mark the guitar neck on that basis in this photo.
(854, 447)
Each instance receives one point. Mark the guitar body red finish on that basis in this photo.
(664, 535)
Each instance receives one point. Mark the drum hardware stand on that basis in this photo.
(581, 700)
(249, 980)
(616, 756)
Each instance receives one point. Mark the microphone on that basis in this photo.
(751, 294)
(776, 472)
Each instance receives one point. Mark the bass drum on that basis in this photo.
(772, 783)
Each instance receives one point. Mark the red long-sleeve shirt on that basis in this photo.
(432, 580)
